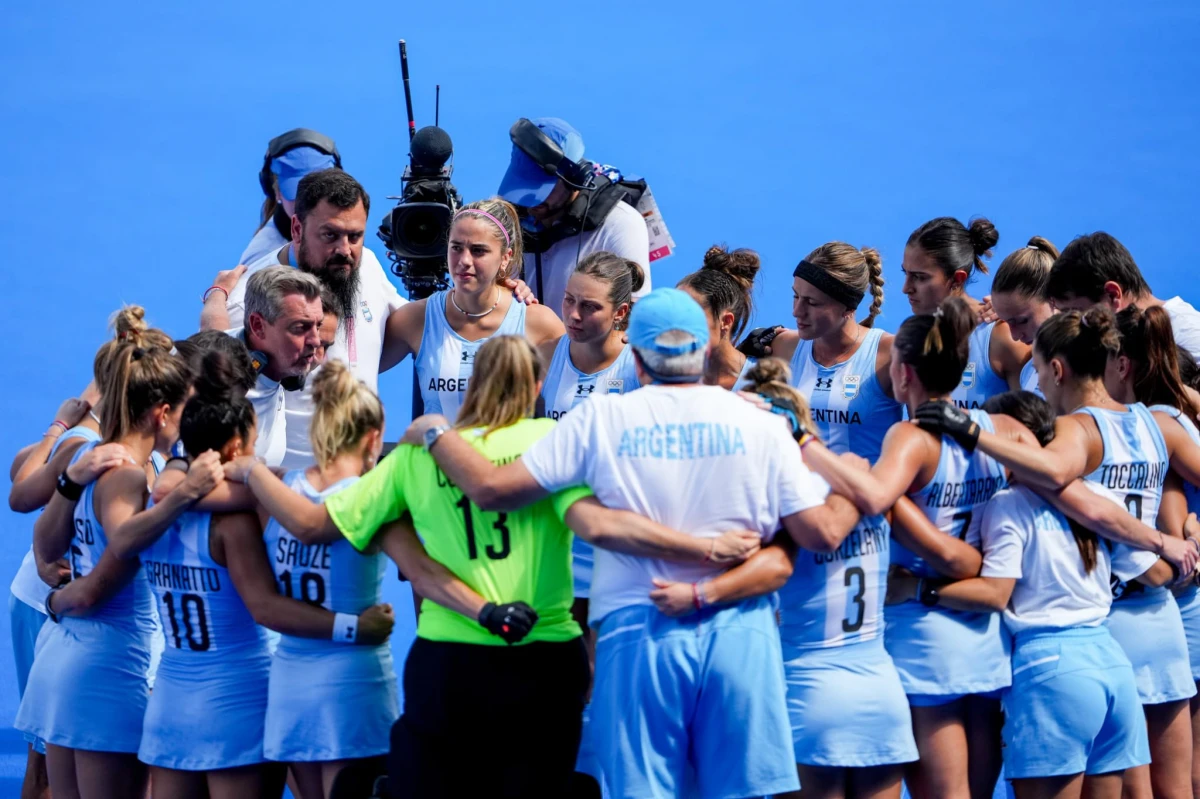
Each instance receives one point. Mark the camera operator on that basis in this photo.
(557, 208)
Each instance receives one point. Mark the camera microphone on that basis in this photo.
(430, 149)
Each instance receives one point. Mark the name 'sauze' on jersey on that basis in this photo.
(1133, 476)
(964, 492)
(182, 578)
(866, 539)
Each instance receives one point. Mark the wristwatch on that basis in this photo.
(929, 595)
(68, 487)
(50, 614)
(433, 434)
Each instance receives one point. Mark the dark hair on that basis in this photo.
(194, 348)
(953, 246)
(1090, 261)
(1035, 413)
(725, 282)
(937, 345)
(218, 410)
(1148, 341)
(272, 212)
(330, 303)
(1084, 339)
(622, 275)
(332, 185)
(1189, 371)
(138, 380)
(1026, 270)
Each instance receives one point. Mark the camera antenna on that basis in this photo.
(412, 124)
(437, 105)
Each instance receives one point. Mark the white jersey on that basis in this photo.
(565, 386)
(1185, 324)
(1026, 538)
(623, 232)
(267, 239)
(698, 459)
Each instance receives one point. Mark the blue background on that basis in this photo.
(134, 132)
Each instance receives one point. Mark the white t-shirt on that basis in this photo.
(266, 240)
(1185, 322)
(269, 400)
(359, 344)
(623, 232)
(700, 460)
(1026, 538)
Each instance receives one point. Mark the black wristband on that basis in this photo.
(68, 487)
(929, 594)
(50, 614)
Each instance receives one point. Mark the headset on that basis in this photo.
(300, 137)
(549, 157)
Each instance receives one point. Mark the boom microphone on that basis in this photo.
(430, 150)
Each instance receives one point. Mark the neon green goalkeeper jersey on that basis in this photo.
(523, 555)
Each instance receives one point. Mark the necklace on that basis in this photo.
(845, 354)
(475, 315)
(95, 418)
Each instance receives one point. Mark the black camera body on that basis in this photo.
(416, 231)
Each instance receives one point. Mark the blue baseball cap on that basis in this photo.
(295, 164)
(662, 310)
(526, 183)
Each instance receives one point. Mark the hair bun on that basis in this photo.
(637, 275)
(742, 264)
(217, 378)
(983, 236)
(333, 385)
(769, 370)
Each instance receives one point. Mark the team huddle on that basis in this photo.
(655, 555)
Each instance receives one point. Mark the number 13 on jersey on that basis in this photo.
(501, 547)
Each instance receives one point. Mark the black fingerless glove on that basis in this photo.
(755, 344)
(945, 418)
(512, 621)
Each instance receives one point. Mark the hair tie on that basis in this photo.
(138, 354)
(1032, 247)
(481, 212)
(938, 313)
(1083, 322)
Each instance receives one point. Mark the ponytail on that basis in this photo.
(937, 345)
(1084, 340)
(1148, 341)
(345, 410)
(138, 381)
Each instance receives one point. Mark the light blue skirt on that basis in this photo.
(1189, 612)
(25, 623)
(88, 686)
(946, 652)
(207, 713)
(1150, 630)
(847, 706)
(334, 703)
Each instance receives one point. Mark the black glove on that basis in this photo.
(945, 418)
(755, 344)
(512, 621)
(788, 410)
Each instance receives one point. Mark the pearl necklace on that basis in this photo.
(475, 315)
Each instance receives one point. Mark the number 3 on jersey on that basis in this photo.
(495, 553)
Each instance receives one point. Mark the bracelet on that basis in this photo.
(696, 596)
(345, 628)
(211, 289)
(711, 549)
(50, 614)
(246, 479)
(806, 439)
(60, 423)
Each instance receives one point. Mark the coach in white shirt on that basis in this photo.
(547, 198)
(328, 227)
(697, 458)
(1097, 268)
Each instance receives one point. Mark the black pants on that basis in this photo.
(489, 721)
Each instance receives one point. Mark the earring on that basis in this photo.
(162, 423)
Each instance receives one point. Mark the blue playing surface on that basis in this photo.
(134, 132)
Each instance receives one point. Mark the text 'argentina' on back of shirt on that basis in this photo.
(694, 458)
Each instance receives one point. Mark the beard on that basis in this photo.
(342, 283)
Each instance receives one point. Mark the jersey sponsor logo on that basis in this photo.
(963, 493)
(582, 389)
(468, 356)
(850, 386)
(458, 384)
(682, 441)
(366, 309)
(834, 416)
(614, 385)
(823, 384)
(181, 577)
(968, 378)
(1132, 476)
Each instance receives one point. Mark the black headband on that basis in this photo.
(836, 289)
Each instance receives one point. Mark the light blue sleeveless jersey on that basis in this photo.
(1134, 467)
(565, 386)
(205, 621)
(133, 605)
(1188, 598)
(335, 576)
(1029, 379)
(835, 599)
(849, 408)
(939, 651)
(446, 359)
(979, 380)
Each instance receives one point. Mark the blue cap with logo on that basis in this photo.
(662, 310)
(297, 162)
(526, 183)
